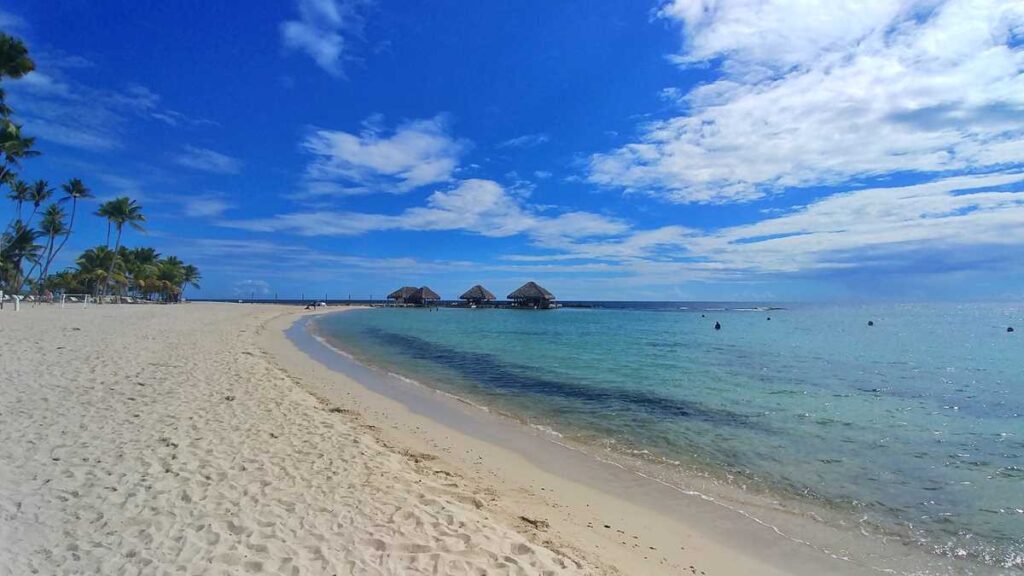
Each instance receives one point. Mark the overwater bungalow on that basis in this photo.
(423, 296)
(532, 295)
(477, 295)
(402, 295)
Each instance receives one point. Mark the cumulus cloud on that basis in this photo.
(208, 160)
(416, 154)
(319, 29)
(823, 92)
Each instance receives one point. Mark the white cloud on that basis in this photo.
(54, 107)
(114, 185)
(261, 255)
(318, 30)
(664, 243)
(177, 119)
(158, 189)
(11, 22)
(822, 92)
(967, 220)
(783, 33)
(525, 141)
(477, 206)
(247, 288)
(76, 115)
(850, 230)
(418, 153)
(208, 160)
(205, 206)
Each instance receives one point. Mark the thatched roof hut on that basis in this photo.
(477, 295)
(532, 295)
(402, 295)
(422, 296)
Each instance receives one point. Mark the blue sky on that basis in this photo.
(694, 149)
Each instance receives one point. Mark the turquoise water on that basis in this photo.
(911, 429)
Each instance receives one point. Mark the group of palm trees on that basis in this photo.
(138, 272)
(29, 246)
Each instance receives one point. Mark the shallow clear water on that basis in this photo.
(911, 428)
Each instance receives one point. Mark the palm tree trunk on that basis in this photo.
(71, 225)
(46, 264)
(110, 272)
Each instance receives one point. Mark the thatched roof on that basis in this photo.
(477, 292)
(424, 293)
(402, 293)
(531, 291)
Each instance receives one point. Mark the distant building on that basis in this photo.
(402, 295)
(532, 295)
(423, 296)
(477, 295)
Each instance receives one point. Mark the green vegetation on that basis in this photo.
(29, 246)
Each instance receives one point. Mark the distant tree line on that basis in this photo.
(44, 219)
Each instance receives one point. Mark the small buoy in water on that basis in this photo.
(703, 316)
(871, 322)
(1009, 328)
(769, 317)
(718, 326)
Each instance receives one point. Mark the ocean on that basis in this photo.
(908, 432)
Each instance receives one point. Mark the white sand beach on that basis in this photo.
(196, 439)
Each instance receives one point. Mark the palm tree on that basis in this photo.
(144, 256)
(13, 145)
(190, 276)
(142, 265)
(105, 212)
(20, 193)
(39, 193)
(170, 275)
(14, 63)
(52, 225)
(19, 245)
(67, 281)
(96, 265)
(7, 176)
(73, 189)
(121, 211)
(14, 60)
